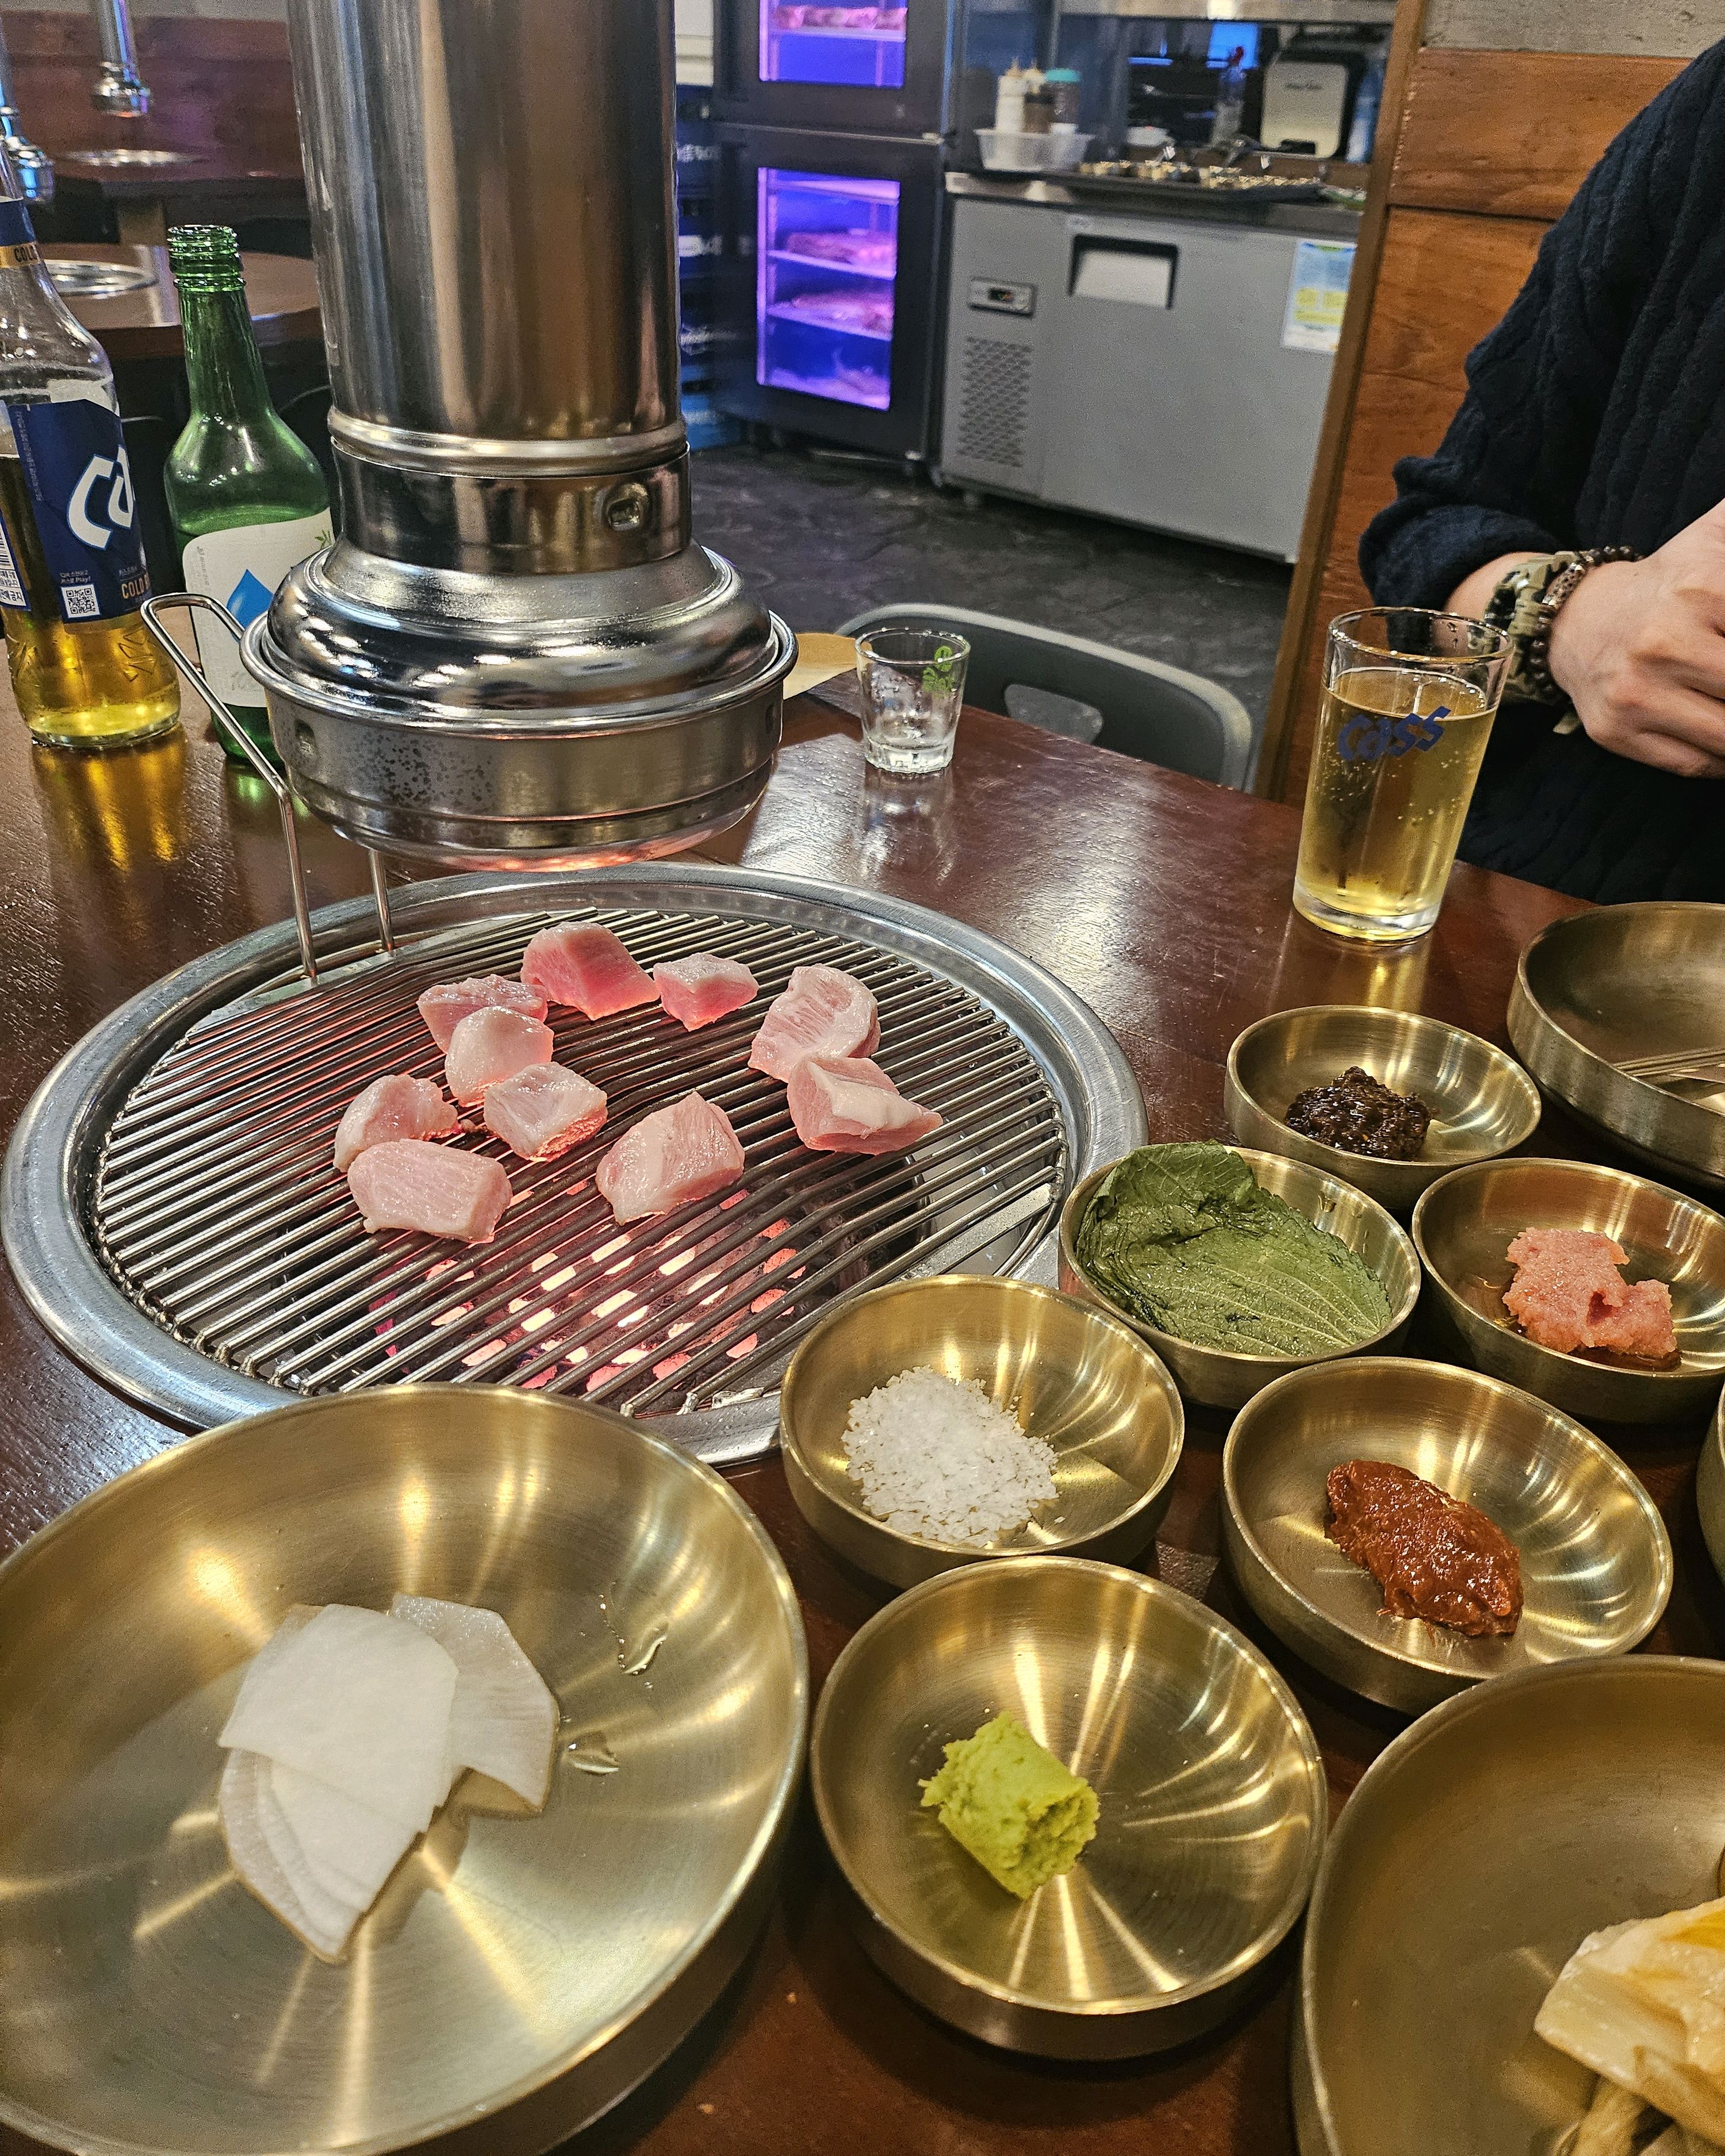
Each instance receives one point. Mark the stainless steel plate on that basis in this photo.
(122, 161)
(83, 278)
(1476, 1855)
(1622, 982)
(170, 1208)
(1596, 1561)
(517, 1974)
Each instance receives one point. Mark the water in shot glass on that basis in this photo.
(912, 683)
(1408, 699)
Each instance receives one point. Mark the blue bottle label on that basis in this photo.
(80, 484)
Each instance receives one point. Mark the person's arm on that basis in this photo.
(1504, 483)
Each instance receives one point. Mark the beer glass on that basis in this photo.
(1408, 699)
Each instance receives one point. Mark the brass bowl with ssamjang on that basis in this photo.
(1222, 1378)
(1463, 1227)
(1482, 1102)
(1595, 1560)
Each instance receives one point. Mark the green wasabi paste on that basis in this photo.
(1182, 1237)
(1022, 1814)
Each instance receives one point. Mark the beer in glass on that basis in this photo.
(1408, 699)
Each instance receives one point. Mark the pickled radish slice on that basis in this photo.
(349, 1848)
(360, 1702)
(238, 1806)
(504, 1722)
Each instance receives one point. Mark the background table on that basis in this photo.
(1161, 900)
(280, 291)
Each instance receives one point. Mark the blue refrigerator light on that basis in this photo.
(826, 272)
(802, 41)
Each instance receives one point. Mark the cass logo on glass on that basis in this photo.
(1367, 736)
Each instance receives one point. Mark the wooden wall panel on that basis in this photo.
(1514, 134)
(220, 86)
(1411, 379)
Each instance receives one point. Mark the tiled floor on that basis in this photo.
(821, 539)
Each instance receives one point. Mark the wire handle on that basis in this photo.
(234, 733)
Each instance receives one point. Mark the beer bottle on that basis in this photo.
(247, 497)
(86, 671)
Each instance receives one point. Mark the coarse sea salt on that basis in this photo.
(936, 1457)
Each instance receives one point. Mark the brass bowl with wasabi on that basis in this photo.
(1280, 1299)
(1205, 1792)
(1072, 1376)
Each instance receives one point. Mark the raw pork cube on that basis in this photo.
(846, 1104)
(443, 1006)
(822, 1013)
(393, 1108)
(492, 1045)
(1568, 1294)
(671, 1157)
(698, 989)
(438, 1189)
(543, 1109)
(579, 962)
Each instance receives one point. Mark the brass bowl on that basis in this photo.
(1625, 980)
(1212, 1377)
(1464, 1225)
(1075, 1376)
(1710, 1489)
(1213, 1804)
(1478, 1851)
(1482, 1102)
(517, 1974)
(1596, 1561)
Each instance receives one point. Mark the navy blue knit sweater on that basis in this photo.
(1595, 417)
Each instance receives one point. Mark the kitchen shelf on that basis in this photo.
(812, 322)
(827, 262)
(832, 30)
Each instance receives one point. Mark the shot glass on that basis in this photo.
(912, 682)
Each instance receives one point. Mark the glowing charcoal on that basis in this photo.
(435, 1189)
(443, 1007)
(699, 989)
(846, 1104)
(543, 1109)
(393, 1108)
(579, 962)
(823, 1012)
(678, 1154)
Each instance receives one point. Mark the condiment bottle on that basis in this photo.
(1009, 101)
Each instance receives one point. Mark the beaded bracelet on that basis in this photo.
(1526, 604)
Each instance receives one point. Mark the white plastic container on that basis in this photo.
(1009, 102)
(1002, 152)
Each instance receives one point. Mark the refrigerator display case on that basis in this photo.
(831, 259)
(797, 63)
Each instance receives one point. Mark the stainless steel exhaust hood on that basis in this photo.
(514, 653)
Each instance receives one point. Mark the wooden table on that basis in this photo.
(1164, 902)
(280, 292)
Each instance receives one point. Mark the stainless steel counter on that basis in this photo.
(1207, 206)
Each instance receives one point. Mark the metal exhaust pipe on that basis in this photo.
(513, 653)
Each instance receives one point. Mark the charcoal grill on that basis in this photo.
(171, 1212)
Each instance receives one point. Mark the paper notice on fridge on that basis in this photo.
(1318, 296)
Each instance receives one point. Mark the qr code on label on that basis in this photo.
(81, 601)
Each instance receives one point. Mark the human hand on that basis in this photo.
(1639, 649)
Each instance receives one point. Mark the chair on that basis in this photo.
(1159, 714)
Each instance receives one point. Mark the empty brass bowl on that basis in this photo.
(1596, 1561)
(1477, 1852)
(1625, 981)
(1482, 1102)
(1212, 1376)
(1464, 1225)
(1212, 1794)
(1075, 1376)
(1710, 1489)
(517, 1974)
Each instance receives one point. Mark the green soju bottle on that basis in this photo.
(247, 497)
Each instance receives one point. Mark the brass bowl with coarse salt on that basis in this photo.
(1072, 1375)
